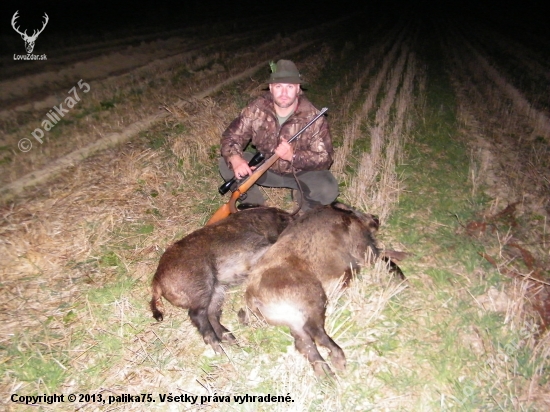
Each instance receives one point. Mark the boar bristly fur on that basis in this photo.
(288, 284)
(194, 272)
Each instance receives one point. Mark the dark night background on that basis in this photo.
(100, 17)
(75, 23)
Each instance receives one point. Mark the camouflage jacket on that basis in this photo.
(258, 124)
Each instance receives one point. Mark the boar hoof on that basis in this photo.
(243, 316)
(229, 338)
(322, 370)
(215, 343)
(338, 361)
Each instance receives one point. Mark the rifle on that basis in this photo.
(255, 161)
(229, 207)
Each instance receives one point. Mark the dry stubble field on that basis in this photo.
(436, 134)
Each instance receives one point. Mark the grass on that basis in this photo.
(437, 175)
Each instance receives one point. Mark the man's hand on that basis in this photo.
(284, 151)
(240, 166)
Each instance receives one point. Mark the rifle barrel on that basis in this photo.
(322, 112)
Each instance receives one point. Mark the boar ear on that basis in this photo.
(342, 206)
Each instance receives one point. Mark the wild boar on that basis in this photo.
(194, 272)
(288, 284)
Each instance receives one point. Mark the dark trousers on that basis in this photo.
(319, 186)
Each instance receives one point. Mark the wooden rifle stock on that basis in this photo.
(230, 207)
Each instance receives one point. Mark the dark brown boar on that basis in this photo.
(194, 272)
(288, 284)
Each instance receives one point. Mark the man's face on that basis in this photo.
(284, 94)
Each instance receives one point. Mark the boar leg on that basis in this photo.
(393, 268)
(306, 346)
(199, 317)
(317, 332)
(215, 313)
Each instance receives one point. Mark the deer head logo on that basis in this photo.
(29, 40)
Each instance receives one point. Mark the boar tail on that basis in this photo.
(156, 304)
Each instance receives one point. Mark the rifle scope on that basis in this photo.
(255, 161)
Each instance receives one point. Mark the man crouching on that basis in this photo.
(268, 123)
